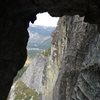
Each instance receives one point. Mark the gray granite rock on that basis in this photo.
(33, 76)
(78, 78)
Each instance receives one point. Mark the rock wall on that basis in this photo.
(78, 78)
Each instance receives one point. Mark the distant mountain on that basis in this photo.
(42, 30)
(40, 38)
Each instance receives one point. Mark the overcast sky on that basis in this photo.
(46, 20)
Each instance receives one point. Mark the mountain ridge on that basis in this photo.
(40, 38)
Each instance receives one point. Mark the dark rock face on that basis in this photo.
(14, 18)
(13, 40)
(79, 75)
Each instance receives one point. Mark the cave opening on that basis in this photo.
(40, 34)
(39, 43)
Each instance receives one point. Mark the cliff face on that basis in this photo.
(32, 83)
(33, 76)
(79, 71)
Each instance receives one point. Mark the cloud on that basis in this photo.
(45, 19)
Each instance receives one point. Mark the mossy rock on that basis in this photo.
(22, 92)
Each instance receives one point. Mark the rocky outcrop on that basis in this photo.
(78, 78)
(14, 18)
(33, 80)
(35, 76)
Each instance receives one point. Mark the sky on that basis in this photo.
(46, 20)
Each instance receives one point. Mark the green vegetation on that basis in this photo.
(22, 92)
(46, 52)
